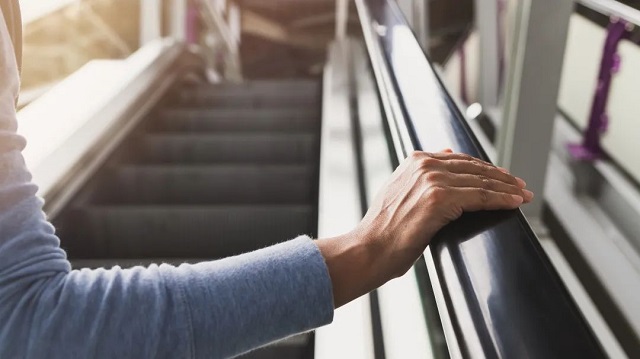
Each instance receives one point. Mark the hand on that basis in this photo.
(425, 193)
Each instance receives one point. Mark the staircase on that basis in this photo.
(214, 171)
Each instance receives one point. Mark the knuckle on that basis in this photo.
(507, 179)
(483, 194)
(485, 182)
(433, 176)
(507, 199)
(467, 157)
(508, 190)
(427, 163)
(511, 179)
(415, 156)
(437, 193)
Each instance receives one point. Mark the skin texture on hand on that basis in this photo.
(425, 193)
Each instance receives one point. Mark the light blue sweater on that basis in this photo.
(209, 310)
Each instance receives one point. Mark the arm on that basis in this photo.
(210, 310)
(215, 309)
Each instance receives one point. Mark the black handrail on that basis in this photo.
(498, 294)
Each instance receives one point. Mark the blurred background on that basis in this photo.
(187, 130)
(61, 36)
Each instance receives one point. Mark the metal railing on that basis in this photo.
(497, 292)
(614, 9)
(227, 28)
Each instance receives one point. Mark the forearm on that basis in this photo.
(209, 310)
(215, 309)
(262, 296)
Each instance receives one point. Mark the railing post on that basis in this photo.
(342, 16)
(486, 18)
(150, 21)
(531, 96)
(179, 19)
(192, 26)
(233, 62)
(235, 24)
(416, 12)
(421, 24)
(219, 5)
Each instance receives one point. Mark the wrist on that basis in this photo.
(350, 259)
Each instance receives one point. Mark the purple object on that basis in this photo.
(192, 23)
(590, 148)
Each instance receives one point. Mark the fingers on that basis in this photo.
(482, 169)
(480, 181)
(490, 185)
(472, 199)
(448, 155)
(465, 164)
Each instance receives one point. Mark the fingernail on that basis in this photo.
(521, 182)
(517, 199)
(528, 195)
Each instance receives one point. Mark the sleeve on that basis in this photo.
(209, 310)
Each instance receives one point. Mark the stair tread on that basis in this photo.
(258, 94)
(250, 167)
(201, 184)
(229, 147)
(231, 136)
(213, 100)
(304, 95)
(179, 120)
(241, 112)
(212, 231)
(215, 171)
(262, 85)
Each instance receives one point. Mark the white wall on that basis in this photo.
(579, 77)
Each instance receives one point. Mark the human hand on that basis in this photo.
(425, 193)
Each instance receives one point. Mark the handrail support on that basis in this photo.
(530, 106)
